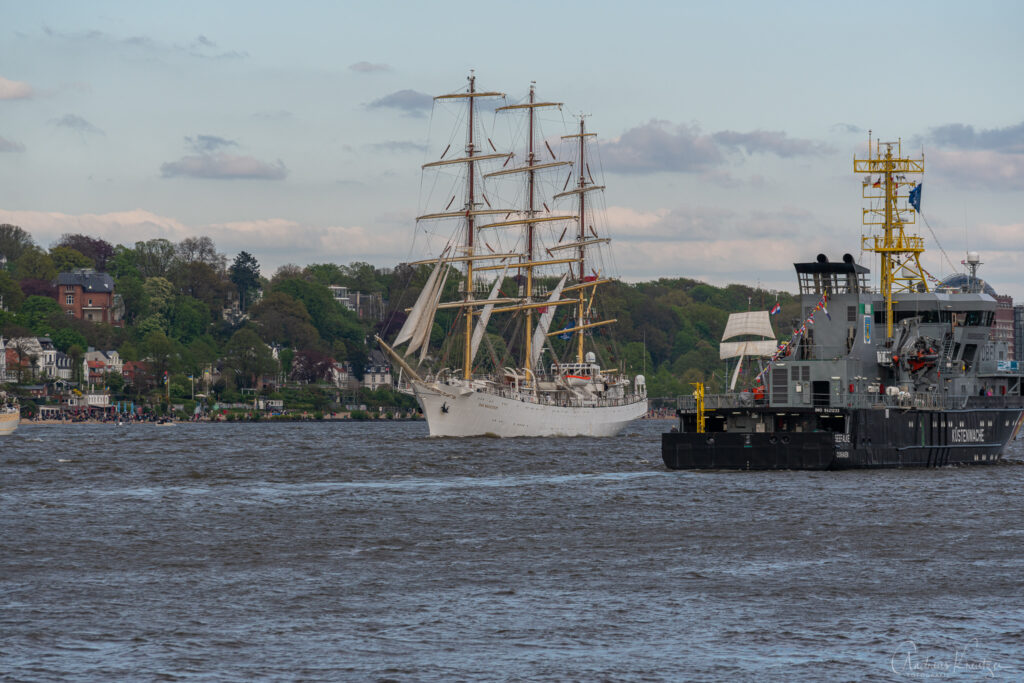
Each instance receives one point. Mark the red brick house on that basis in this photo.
(135, 371)
(88, 295)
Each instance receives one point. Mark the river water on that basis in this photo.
(360, 551)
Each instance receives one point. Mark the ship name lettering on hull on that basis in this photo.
(968, 436)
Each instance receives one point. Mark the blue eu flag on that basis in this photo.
(915, 197)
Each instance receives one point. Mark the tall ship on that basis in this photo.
(903, 375)
(519, 259)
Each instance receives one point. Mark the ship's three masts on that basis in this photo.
(533, 255)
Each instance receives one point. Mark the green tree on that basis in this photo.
(66, 259)
(200, 250)
(154, 322)
(159, 293)
(133, 294)
(115, 382)
(11, 295)
(246, 358)
(154, 258)
(159, 351)
(123, 263)
(363, 277)
(245, 274)
(66, 338)
(14, 242)
(201, 281)
(97, 250)
(35, 314)
(128, 351)
(76, 353)
(329, 317)
(284, 320)
(325, 273)
(34, 263)
(189, 318)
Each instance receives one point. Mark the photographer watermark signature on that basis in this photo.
(968, 660)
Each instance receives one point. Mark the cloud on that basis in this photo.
(14, 90)
(846, 128)
(317, 242)
(979, 169)
(704, 224)
(398, 146)
(996, 237)
(410, 102)
(224, 166)
(10, 145)
(208, 143)
(770, 142)
(368, 67)
(121, 226)
(75, 122)
(274, 241)
(962, 136)
(661, 146)
(212, 161)
(200, 48)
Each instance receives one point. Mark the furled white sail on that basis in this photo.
(406, 333)
(485, 317)
(736, 374)
(753, 322)
(429, 317)
(540, 333)
(425, 318)
(765, 347)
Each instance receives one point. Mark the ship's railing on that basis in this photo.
(541, 398)
(921, 401)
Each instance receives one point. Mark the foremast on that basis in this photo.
(899, 253)
(471, 158)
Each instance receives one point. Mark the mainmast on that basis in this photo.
(531, 168)
(899, 253)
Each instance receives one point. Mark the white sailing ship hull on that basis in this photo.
(455, 411)
(8, 422)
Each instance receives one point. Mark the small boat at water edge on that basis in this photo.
(10, 415)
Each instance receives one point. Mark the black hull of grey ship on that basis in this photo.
(875, 438)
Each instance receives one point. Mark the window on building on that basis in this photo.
(70, 299)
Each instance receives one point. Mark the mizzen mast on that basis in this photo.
(581, 189)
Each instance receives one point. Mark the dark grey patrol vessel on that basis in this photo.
(895, 377)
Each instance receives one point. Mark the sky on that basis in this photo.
(296, 131)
